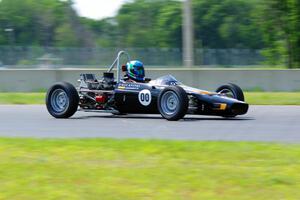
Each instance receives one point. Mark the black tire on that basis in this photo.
(237, 92)
(69, 104)
(181, 104)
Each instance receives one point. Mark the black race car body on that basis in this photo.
(143, 98)
(164, 95)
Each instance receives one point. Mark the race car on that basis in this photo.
(135, 94)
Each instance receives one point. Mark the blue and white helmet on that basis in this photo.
(135, 70)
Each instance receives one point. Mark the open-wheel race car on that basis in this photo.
(133, 93)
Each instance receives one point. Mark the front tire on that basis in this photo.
(231, 90)
(173, 103)
(62, 100)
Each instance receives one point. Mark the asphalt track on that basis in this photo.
(262, 123)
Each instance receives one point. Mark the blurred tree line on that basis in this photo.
(270, 25)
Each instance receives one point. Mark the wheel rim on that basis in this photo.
(169, 102)
(227, 93)
(59, 100)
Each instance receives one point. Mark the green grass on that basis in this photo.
(253, 98)
(273, 98)
(22, 98)
(138, 169)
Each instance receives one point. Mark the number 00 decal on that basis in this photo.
(145, 97)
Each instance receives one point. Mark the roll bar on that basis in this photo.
(118, 64)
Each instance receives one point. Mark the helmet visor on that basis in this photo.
(139, 71)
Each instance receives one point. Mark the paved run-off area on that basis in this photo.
(262, 123)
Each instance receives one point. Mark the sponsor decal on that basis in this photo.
(220, 106)
(129, 86)
(121, 87)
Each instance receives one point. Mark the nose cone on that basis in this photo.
(239, 108)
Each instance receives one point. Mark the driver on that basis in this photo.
(134, 71)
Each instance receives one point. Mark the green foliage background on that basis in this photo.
(270, 25)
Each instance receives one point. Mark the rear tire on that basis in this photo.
(173, 103)
(62, 100)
